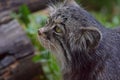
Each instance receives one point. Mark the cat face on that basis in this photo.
(53, 35)
(69, 32)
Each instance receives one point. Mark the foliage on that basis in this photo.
(31, 24)
(106, 11)
(22, 14)
(106, 21)
(109, 7)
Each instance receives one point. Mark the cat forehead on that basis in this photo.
(60, 15)
(61, 9)
(63, 12)
(68, 14)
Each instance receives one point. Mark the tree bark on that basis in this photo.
(34, 5)
(13, 40)
(8, 6)
(15, 47)
(23, 69)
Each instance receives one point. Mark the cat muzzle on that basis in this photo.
(41, 32)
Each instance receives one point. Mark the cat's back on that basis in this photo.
(110, 42)
(110, 47)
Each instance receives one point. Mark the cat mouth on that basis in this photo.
(44, 41)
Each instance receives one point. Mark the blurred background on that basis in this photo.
(21, 55)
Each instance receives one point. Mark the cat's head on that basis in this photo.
(69, 32)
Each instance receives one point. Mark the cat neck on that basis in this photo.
(83, 69)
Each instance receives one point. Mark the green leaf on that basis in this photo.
(24, 12)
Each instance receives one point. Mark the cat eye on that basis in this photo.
(58, 29)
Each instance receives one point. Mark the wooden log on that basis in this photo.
(23, 69)
(14, 44)
(15, 47)
(8, 6)
(34, 5)
(14, 40)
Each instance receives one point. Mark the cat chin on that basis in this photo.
(55, 49)
(44, 42)
(47, 45)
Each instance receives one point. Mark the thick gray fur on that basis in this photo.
(90, 51)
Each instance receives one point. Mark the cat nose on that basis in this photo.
(40, 31)
(44, 33)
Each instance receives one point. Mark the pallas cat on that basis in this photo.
(85, 49)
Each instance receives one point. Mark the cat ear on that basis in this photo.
(89, 37)
(70, 2)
